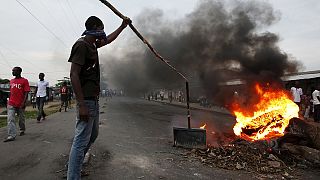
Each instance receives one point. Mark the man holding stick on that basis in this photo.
(85, 79)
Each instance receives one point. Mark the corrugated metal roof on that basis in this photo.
(232, 82)
(301, 75)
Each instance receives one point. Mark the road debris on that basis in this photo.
(252, 157)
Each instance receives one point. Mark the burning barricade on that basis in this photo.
(268, 118)
(270, 138)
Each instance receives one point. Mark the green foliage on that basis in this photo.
(32, 115)
(4, 81)
(3, 122)
(59, 84)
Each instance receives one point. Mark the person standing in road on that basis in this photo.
(19, 89)
(85, 79)
(64, 95)
(41, 93)
(34, 101)
(296, 92)
(316, 104)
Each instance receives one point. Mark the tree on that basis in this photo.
(4, 81)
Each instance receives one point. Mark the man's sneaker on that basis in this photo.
(21, 133)
(10, 138)
(38, 121)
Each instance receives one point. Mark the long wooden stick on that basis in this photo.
(118, 13)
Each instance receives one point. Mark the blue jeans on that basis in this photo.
(12, 131)
(40, 104)
(86, 133)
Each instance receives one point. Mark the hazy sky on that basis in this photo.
(41, 42)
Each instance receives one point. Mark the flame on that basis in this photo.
(203, 127)
(266, 119)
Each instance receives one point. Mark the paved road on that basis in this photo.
(135, 142)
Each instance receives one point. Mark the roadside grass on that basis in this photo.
(3, 122)
(33, 114)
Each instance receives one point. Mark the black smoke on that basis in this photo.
(215, 43)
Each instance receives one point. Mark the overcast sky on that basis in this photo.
(41, 42)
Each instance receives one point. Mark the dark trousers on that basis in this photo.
(316, 114)
(40, 104)
(64, 103)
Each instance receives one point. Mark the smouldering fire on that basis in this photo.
(268, 118)
(203, 127)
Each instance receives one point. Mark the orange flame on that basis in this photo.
(266, 119)
(203, 127)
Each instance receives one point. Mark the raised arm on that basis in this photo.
(111, 37)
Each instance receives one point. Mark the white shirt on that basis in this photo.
(296, 93)
(314, 97)
(42, 88)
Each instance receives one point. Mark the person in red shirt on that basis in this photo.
(19, 88)
(64, 96)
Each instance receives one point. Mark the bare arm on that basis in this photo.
(47, 91)
(111, 37)
(23, 105)
(35, 92)
(75, 81)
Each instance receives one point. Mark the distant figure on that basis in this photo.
(161, 95)
(41, 93)
(19, 89)
(308, 105)
(70, 95)
(47, 100)
(296, 92)
(180, 96)
(170, 96)
(64, 95)
(34, 101)
(316, 104)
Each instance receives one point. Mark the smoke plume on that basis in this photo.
(215, 43)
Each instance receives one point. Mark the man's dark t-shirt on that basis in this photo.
(86, 55)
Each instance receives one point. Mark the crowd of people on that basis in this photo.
(170, 95)
(309, 103)
(19, 90)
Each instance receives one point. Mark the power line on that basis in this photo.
(44, 26)
(5, 60)
(72, 12)
(21, 57)
(67, 18)
(55, 20)
(46, 72)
